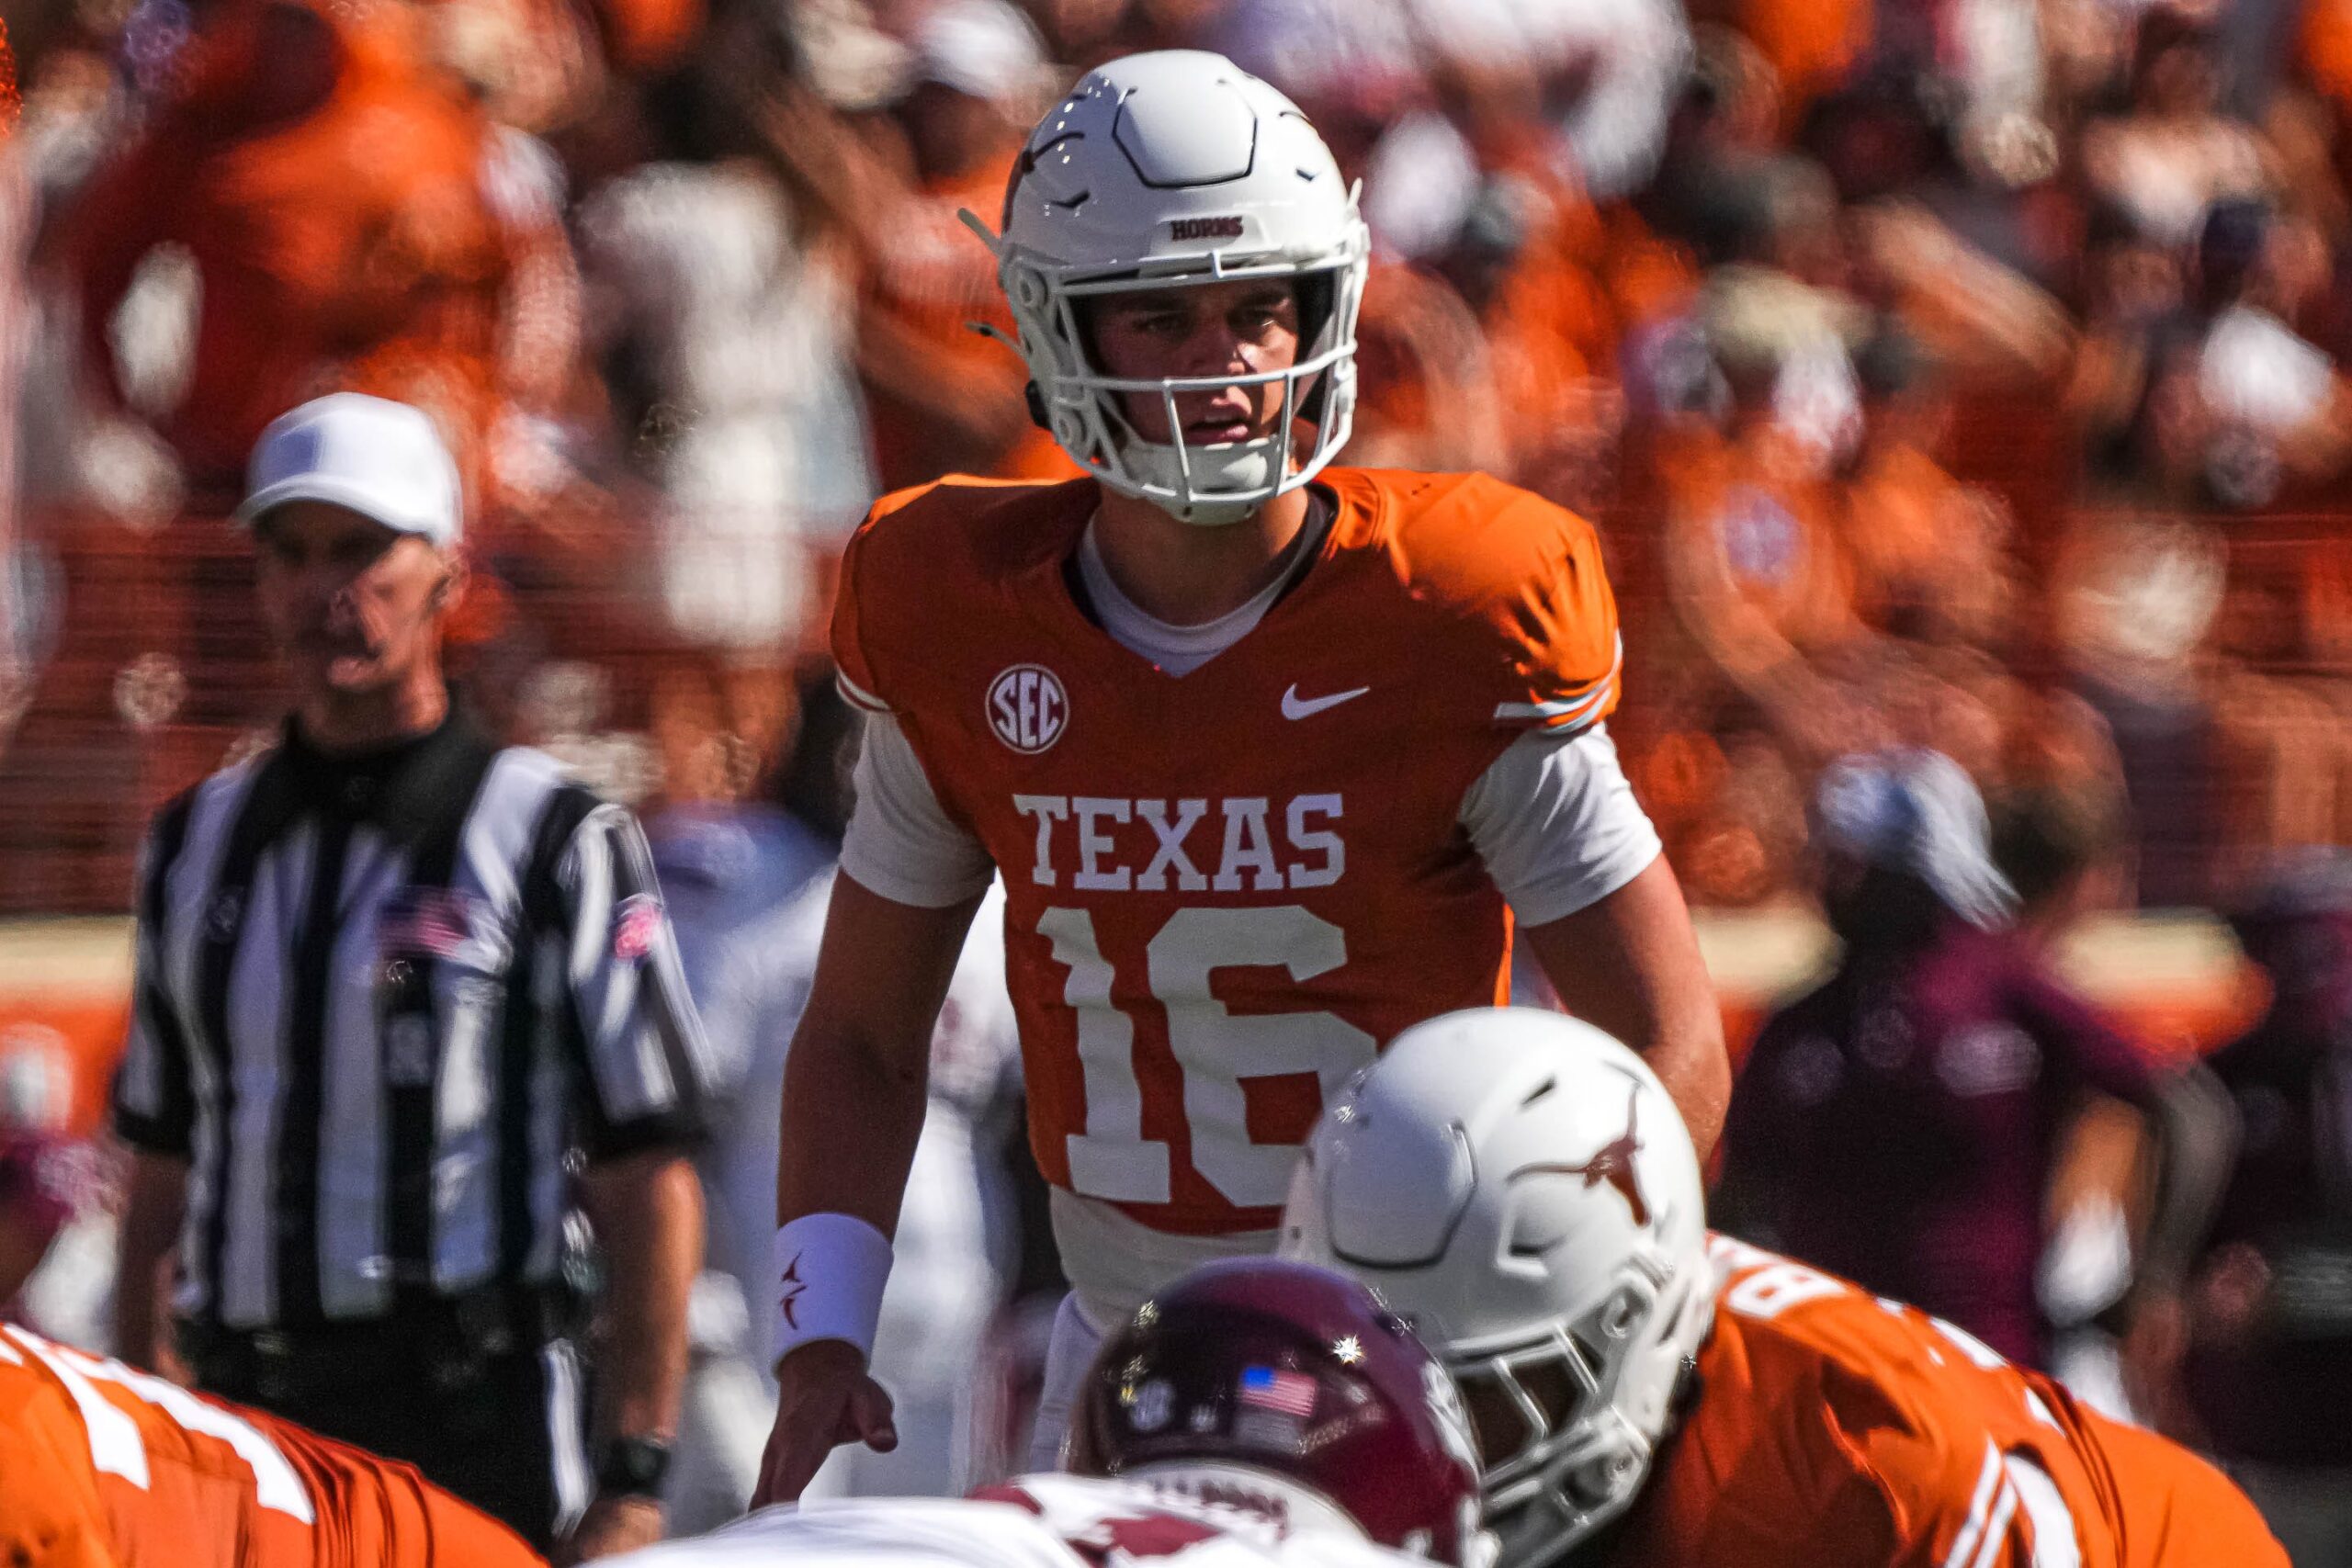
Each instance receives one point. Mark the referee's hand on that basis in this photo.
(824, 1399)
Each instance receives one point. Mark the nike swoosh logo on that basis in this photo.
(1296, 706)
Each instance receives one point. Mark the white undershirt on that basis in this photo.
(1180, 650)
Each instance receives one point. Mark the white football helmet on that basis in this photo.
(1165, 169)
(1519, 1188)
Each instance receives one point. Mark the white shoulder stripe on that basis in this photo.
(1988, 1481)
(1569, 708)
(1996, 1528)
(2054, 1545)
(115, 1447)
(858, 696)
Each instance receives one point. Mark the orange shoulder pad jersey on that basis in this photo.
(1226, 891)
(1837, 1429)
(103, 1467)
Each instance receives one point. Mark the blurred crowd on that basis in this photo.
(1921, 360)
(1952, 372)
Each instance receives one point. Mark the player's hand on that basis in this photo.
(612, 1525)
(824, 1398)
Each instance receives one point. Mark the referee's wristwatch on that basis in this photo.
(632, 1467)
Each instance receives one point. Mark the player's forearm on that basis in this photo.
(151, 1224)
(1688, 1055)
(851, 1118)
(1630, 963)
(648, 1212)
(858, 1077)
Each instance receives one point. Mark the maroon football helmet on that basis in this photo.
(1291, 1369)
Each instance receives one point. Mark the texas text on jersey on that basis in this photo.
(103, 1467)
(1824, 1414)
(1226, 889)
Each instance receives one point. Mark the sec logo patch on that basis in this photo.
(1027, 707)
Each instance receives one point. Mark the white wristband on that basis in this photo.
(829, 1270)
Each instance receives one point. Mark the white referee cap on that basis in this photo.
(382, 459)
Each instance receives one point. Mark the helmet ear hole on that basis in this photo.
(1037, 410)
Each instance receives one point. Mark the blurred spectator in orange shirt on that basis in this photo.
(1429, 398)
(942, 398)
(1928, 551)
(1756, 429)
(336, 191)
(1810, 44)
(1545, 320)
(1753, 555)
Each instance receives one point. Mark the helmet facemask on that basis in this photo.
(1559, 1456)
(1080, 405)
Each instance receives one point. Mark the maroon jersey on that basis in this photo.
(1897, 1125)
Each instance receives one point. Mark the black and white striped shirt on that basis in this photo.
(378, 1003)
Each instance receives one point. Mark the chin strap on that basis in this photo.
(1162, 467)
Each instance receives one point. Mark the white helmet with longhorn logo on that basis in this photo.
(1519, 1187)
(1159, 171)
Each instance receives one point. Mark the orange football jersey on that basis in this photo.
(103, 1467)
(1227, 890)
(1835, 1428)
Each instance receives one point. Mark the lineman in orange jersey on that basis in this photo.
(1517, 1186)
(1268, 755)
(103, 1467)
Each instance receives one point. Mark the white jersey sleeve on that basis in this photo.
(902, 844)
(1557, 825)
(1038, 1521)
(897, 1532)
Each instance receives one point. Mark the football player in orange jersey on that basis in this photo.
(1517, 1186)
(105, 1467)
(1269, 754)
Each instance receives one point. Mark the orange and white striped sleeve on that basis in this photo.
(1985, 1509)
(1560, 619)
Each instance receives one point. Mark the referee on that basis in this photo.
(403, 997)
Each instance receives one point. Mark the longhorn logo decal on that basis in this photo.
(1611, 1163)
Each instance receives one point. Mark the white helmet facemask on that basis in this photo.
(1520, 1188)
(1170, 170)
